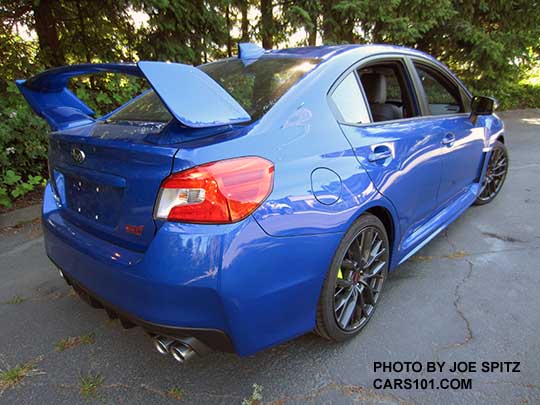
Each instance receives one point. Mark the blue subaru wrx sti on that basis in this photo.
(245, 202)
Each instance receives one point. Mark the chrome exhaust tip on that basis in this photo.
(162, 344)
(181, 352)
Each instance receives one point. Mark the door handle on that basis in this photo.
(449, 139)
(381, 152)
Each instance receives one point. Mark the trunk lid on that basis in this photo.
(107, 178)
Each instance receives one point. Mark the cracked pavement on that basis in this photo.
(469, 295)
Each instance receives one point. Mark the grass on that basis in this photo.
(175, 393)
(256, 396)
(12, 376)
(74, 341)
(15, 300)
(89, 385)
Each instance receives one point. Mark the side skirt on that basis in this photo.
(438, 223)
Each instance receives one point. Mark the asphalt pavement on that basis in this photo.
(471, 295)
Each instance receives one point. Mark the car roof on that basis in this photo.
(329, 51)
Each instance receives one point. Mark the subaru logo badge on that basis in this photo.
(77, 155)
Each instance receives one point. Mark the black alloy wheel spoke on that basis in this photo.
(368, 294)
(361, 309)
(348, 264)
(341, 282)
(376, 270)
(347, 314)
(344, 299)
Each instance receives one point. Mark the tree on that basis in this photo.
(303, 14)
(487, 42)
(182, 30)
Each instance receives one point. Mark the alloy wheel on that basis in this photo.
(360, 279)
(495, 175)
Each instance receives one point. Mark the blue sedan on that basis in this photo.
(241, 203)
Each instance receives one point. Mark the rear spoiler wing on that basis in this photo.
(193, 98)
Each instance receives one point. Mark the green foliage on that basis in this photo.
(10, 377)
(182, 30)
(105, 92)
(23, 147)
(89, 385)
(23, 135)
(513, 95)
(491, 44)
(256, 396)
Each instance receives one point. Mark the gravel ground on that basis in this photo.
(470, 295)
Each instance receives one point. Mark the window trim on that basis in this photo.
(404, 75)
(335, 109)
(407, 60)
(355, 67)
(465, 94)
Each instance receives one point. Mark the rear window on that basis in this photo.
(258, 83)
(255, 84)
(147, 107)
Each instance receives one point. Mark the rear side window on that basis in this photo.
(257, 84)
(348, 100)
(443, 97)
(147, 107)
(387, 91)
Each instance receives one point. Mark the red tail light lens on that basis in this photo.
(220, 192)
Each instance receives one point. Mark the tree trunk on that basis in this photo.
(196, 45)
(49, 43)
(312, 32)
(245, 21)
(229, 39)
(328, 23)
(267, 24)
(83, 38)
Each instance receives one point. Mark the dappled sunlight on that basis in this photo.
(531, 121)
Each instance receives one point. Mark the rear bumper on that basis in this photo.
(231, 286)
(212, 338)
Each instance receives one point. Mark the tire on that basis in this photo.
(349, 267)
(495, 174)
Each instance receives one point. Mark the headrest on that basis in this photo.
(375, 87)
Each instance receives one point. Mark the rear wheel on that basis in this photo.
(354, 281)
(495, 174)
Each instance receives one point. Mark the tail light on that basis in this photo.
(219, 192)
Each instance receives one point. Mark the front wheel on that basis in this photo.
(495, 174)
(354, 281)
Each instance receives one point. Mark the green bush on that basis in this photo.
(105, 92)
(512, 96)
(23, 147)
(23, 135)
(517, 96)
(521, 92)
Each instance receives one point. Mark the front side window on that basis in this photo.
(348, 100)
(443, 97)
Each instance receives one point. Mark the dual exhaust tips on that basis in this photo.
(179, 350)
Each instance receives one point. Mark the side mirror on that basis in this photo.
(481, 105)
